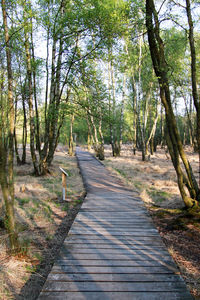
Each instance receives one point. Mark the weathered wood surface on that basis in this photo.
(113, 251)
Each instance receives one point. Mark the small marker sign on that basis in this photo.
(64, 183)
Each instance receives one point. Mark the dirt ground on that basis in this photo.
(155, 182)
(43, 220)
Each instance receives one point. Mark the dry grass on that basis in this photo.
(40, 214)
(154, 180)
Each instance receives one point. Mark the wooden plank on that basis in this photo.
(120, 238)
(97, 224)
(118, 228)
(114, 218)
(107, 256)
(149, 232)
(114, 270)
(115, 277)
(113, 226)
(72, 246)
(121, 223)
(115, 296)
(122, 214)
(140, 243)
(114, 263)
(80, 286)
(116, 251)
(141, 228)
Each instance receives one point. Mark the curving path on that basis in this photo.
(113, 250)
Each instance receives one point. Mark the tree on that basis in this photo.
(194, 75)
(185, 179)
(7, 145)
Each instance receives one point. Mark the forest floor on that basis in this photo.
(155, 182)
(43, 220)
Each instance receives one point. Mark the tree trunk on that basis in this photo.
(19, 162)
(152, 133)
(122, 112)
(30, 101)
(135, 114)
(194, 77)
(90, 136)
(6, 171)
(24, 137)
(161, 70)
(37, 121)
(71, 141)
(111, 107)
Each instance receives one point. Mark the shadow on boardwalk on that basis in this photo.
(113, 250)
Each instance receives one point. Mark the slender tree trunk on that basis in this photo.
(152, 133)
(194, 76)
(122, 111)
(162, 121)
(30, 100)
(189, 123)
(100, 149)
(47, 69)
(71, 141)
(37, 120)
(90, 136)
(19, 162)
(111, 109)
(135, 114)
(141, 125)
(24, 137)
(161, 70)
(23, 88)
(7, 181)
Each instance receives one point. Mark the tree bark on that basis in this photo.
(71, 141)
(194, 76)
(37, 120)
(122, 111)
(6, 171)
(30, 99)
(160, 66)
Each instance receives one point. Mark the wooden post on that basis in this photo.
(64, 183)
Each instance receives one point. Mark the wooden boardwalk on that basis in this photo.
(113, 250)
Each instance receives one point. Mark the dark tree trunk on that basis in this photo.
(194, 76)
(174, 140)
(7, 154)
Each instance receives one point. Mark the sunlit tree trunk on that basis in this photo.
(122, 111)
(71, 141)
(30, 97)
(37, 121)
(90, 135)
(152, 133)
(174, 142)
(19, 162)
(110, 109)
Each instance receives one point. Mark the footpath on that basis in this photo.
(113, 250)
